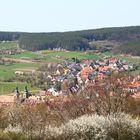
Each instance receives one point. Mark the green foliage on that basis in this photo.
(130, 47)
(118, 126)
(26, 55)
(12, 136)
(75, 40)
(9, 36)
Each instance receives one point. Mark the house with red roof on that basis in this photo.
(85, 72)
(104, 69)
(113, 60)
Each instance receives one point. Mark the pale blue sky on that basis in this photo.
(67, 15)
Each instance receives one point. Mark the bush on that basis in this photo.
(11, 136)
(34, 123)
(115, 126)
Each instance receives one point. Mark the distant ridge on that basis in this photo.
(116, 39)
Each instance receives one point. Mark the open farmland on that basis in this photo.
(8, 44)
(55, 55)
(8, 71)
(42, 56)
(9, 87)
(26, 55)
(52, 56)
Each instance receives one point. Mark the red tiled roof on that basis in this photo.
(135, 85)
(105, 68)
(86, 71)
(87, 61)
(113, 60)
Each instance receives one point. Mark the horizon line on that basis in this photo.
(78, 30)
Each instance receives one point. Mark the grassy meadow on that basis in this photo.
(8, 71)
(58, 56)
(9, 87)
(8, 44)
(52, 56)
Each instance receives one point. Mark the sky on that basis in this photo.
(67, 15)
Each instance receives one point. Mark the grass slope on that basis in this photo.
(8, 71)
(9, 87)
(52, 56)
(8, 44)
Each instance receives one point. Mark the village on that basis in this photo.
(73, 76)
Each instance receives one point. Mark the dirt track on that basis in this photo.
(10, 98)
(6, 99)
(24, 61)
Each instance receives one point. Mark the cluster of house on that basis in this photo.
(9, 51)
(73, 76)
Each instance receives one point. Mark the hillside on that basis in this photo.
(118, 40)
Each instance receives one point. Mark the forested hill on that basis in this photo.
(119, 40)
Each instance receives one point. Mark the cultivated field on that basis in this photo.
(9, 87)
(8, 70)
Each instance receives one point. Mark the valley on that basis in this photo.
(24, 63)
(57, 84)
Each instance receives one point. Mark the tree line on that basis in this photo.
(76, 40)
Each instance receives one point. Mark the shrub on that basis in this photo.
(35, 125)
(11, 136)
(118, 126)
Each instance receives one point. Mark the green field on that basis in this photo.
(23, 55)
(26, 55)
(8, 71)
(52, 56)
(9, 87)
(8, 45)
(58, 56)
(55, 56)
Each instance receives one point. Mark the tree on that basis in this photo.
(109, 95)
(17, 93)
(26, 93)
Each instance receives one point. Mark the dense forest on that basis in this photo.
(128, 39)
